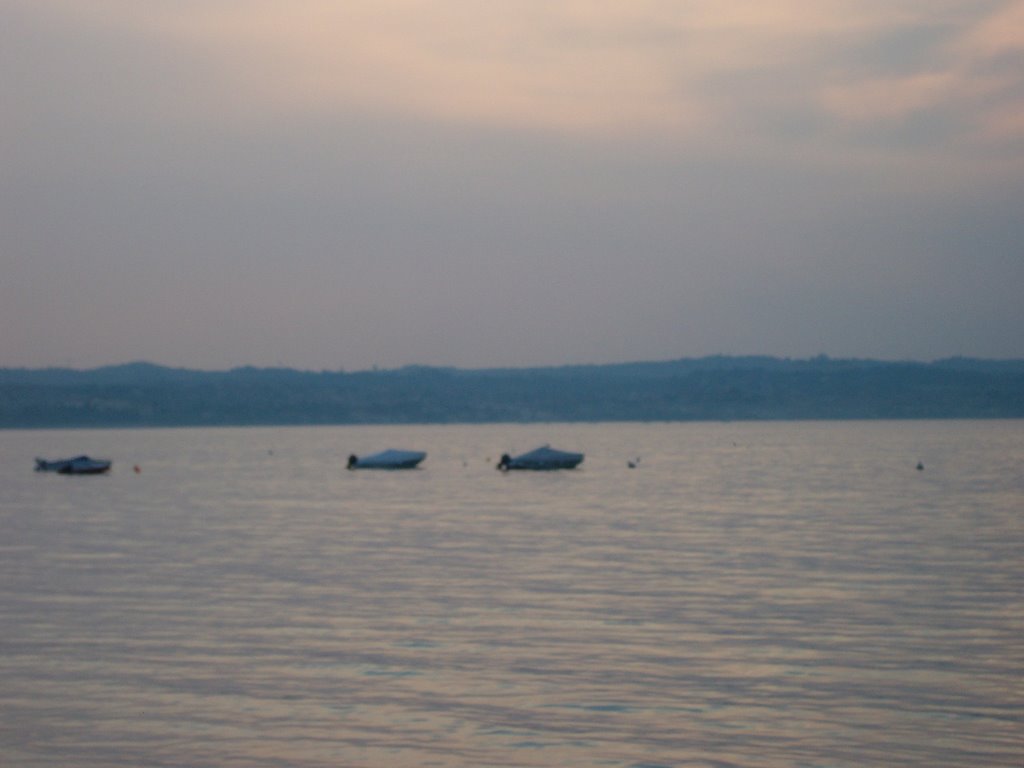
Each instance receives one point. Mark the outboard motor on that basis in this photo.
(504, 462)
(352, 460)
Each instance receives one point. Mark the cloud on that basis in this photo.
(700, 74)
(892, 98)
(970, 83)
(998, 33)
(527, 66)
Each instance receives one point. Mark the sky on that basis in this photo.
(334, 185)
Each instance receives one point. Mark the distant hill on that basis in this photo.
(709, 388)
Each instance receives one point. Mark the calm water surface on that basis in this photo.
(750, 595)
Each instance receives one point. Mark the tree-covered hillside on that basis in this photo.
(714, 388)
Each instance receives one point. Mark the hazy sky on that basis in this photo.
(330, 184)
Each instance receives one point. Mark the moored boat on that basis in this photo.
(389, 459)
(542, 458)
(78, 465)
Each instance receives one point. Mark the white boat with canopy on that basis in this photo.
(79, 465)
(542, 458)
(389, 459)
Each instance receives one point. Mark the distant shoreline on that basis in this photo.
(715, 388)
(257, 426)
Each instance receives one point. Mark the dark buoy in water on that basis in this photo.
(920, 466)
(136, 469)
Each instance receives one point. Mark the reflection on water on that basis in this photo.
(749, 595)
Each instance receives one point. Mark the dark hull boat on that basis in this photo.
(389, 459)
(79, 465)
(542, 458)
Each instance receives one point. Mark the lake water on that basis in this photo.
(750, 595)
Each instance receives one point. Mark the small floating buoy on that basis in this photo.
(920, 466)
(136, 469)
